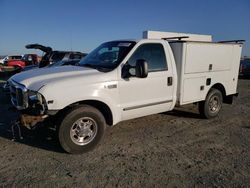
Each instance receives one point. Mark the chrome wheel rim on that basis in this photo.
(83, 131)
(214, 104)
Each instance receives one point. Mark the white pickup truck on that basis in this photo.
(126, 79)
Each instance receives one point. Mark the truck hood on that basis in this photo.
(73, 75)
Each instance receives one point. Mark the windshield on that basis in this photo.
(15, 57)
(26, 57)
(107, 56)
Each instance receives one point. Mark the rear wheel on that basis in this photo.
(81, 129)
(211, 107)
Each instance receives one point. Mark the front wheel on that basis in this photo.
(81, 129)
(211, 107)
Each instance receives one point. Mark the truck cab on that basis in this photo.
(154, 93)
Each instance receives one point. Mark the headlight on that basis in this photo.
(37, 102)
(35, 97)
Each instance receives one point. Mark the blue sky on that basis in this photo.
(82, 25)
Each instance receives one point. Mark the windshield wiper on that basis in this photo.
(97, 67)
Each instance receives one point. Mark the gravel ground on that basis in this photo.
(173, 149)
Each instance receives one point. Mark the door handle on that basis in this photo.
(170, 81)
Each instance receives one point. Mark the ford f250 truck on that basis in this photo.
(126, 79)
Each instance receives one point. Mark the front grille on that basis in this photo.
(18, 95)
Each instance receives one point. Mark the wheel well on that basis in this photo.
(221, 88)
(102, 107)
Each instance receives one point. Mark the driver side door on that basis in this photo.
(150, 95)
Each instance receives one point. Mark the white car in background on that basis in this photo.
(2, 59)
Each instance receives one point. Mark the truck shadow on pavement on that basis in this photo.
(42, 137)
(184, 114)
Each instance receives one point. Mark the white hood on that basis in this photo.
(35, 79)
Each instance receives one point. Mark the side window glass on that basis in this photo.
(57, 57)
(72, 56)
(154, 55)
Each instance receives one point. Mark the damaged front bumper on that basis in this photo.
(31, 105)
(31, 121)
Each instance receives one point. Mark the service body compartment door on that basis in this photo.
(193, 89)
(207, 57)
(150, 95)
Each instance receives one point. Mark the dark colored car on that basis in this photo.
(52, 56)
(245, 67)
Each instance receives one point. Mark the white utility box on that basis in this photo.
(201, 63)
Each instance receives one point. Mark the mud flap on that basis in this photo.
(229, 99)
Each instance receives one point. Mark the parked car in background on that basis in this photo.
(245, 67)
(52, 56)
(2, 58)
(7, 71)
(6, 59)
(27, 59)
(73, 62)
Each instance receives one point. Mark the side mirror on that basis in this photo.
(141, 68)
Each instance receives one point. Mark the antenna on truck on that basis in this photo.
(232, 41)
(179, 38)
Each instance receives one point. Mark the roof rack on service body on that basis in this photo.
(232, 41)
(179, 38)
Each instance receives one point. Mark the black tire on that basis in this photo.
(70, 125)
(206, 109)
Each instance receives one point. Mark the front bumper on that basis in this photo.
(32, 109)
(31, 121)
